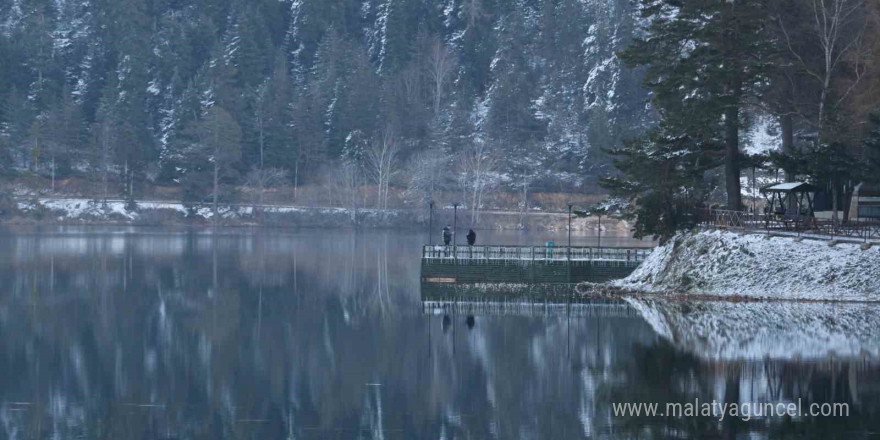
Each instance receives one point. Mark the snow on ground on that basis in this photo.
(90, 208)
(79, 208)
(728, 264)
(724, 330)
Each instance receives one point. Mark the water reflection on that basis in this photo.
(721, 330)
(313, 335)
(766, 352)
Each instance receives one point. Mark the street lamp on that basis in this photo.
(569, 230)
(454, 224)
(431, 223)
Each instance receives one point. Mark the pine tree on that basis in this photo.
(871, 162)
(220, 141)
(663, 178)
(17, 119)
(514, 84)
(707, 56)
(65, 135)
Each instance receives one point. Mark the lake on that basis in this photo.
(142, 333)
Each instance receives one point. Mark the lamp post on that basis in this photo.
(454, 224)
(600, 230)
(431, 223)
(455, 234)
(568, 250)
(569, 230)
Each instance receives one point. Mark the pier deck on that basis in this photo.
(528, 264)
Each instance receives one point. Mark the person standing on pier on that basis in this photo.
(471, 237)
(447, 235)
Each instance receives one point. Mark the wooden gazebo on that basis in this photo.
(790, 202)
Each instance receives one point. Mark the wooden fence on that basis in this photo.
(859, 229)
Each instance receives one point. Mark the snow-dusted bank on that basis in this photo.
(169, 213)
(727, 264)
(155, 213)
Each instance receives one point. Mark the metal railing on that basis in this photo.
(535, 253)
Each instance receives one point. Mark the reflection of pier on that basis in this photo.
(518, 299)
(528, 264)
(525, 308)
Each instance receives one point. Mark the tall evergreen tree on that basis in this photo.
(871, 157)
(706, 55)
(664, 179)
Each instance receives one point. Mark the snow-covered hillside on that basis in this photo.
(755, 266)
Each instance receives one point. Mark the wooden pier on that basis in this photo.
(527, 264)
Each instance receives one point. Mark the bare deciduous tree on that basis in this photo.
(426, 170)
(839, 27)
(474, 10)
(478, 162)
(439, 66)
(381, 162)
(410, 85)
(263, 178)
(101, 143)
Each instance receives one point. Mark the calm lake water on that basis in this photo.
(139, 333)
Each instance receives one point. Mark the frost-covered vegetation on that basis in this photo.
(171, 213)
(731, 265)
(461, 96)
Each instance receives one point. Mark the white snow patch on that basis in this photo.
(764, 136)
(728, 264)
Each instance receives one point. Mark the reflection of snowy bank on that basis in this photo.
(728, 264)
(722, 330)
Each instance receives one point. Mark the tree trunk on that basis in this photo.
(216, 187)
(262, 172)
(474, 199)
(104, 182)
(295, 177)
(105, 153)
(787, 125)
(835, 203)
(731, 158)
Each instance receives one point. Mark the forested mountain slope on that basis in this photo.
(461, 95)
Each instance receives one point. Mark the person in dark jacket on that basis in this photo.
(447, 235)
(471, 237)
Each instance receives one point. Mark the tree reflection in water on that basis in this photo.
(157, 334)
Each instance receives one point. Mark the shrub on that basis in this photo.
(159, 217)
(8, 206)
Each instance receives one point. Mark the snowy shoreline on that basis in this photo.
(726, 265)
(170, 213)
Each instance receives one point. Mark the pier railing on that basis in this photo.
(535, 253)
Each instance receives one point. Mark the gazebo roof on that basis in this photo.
(790, 187)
